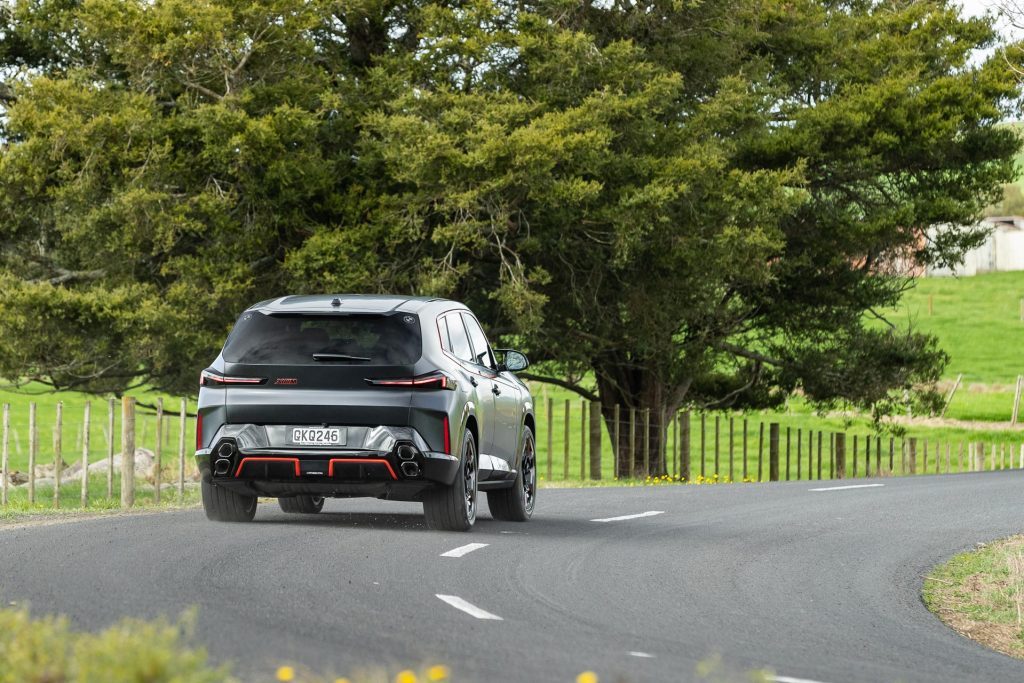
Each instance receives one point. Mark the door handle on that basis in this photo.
(496, 390)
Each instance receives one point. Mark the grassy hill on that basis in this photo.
(977, 320)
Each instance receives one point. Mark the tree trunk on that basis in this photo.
(641, 391)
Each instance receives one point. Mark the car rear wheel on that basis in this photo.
(222, 505)
(301, 505)
(516, 504)
(453, 508)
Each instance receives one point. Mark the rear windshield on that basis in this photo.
(258, 338)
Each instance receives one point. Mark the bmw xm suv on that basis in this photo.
(384, 396)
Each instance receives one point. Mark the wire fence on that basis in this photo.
(581, 440)
(110, 457)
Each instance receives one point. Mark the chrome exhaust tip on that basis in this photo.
(406, 452)
(221, 467)
(410, 469)
(226, 450)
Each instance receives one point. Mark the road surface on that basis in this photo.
(636, 584)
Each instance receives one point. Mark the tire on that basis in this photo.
(302, 505)
(453, 508)
(516, 504)
(222, 505)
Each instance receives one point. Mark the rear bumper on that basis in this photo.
(395, 463)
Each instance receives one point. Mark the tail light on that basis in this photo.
(433, 380)
(199, 430)
(209, 378)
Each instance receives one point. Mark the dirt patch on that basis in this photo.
(980, 595)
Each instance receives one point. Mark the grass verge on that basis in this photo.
(980, 594)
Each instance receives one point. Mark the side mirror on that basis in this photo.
(513, 361)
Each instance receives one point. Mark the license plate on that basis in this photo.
(318, 436)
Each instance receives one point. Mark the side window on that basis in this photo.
(481, 349)
(457, 334)
(442, 330)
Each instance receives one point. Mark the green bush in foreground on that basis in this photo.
(47, 650)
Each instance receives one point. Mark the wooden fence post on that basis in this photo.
(703, 429)
(787, 452)
(799, 453)
(583, 439)
(1016, 401)
(58, 455)
(878, 456)
(5, 455)
(33, 444)
(960, 457)
(760, 454)
(913, 455)
(684, 442)
(647, 442)
(745, 474)
(617, 450)
(551, 428)
(732, 430)
(831, 455)
(718, 439)
(595, 441)
(565, 440)
(183, 415)
(158, 455)
(676, 436)
(840, 455)
(949, 398)
(820, 439)
(86, 420)
(854, 456)
(631, 470)
(127, 452)
(110, 449)
(892, 454)
(662, 455)
(773, 451)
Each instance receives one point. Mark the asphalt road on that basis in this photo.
(816, 585)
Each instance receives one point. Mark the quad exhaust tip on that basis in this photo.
(226, 450)
(221, 467)
(406, 452)
(410, 469)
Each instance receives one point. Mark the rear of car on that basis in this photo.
(318, 396)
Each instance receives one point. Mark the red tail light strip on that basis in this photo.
(360, 461)
(238, 472)
(207, 378)
(447, 436)
(199, 430)
(436, 380)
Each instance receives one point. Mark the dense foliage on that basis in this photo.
(695, 200)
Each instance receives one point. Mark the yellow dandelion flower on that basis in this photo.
(405, 677)
(285, 673)
(587, 677)
(437, 673)
(342, 680)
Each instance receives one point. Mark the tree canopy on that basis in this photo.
(697, 201)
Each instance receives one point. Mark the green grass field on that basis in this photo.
(977, 320)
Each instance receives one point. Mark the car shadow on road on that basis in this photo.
(485, 526)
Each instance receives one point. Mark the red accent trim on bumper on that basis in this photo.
(357, 461)
(262, 459)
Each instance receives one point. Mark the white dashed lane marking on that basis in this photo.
(846, 488)
(464, 549)
(469, 608)
(623, 518)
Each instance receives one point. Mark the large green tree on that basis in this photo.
(706, 202)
